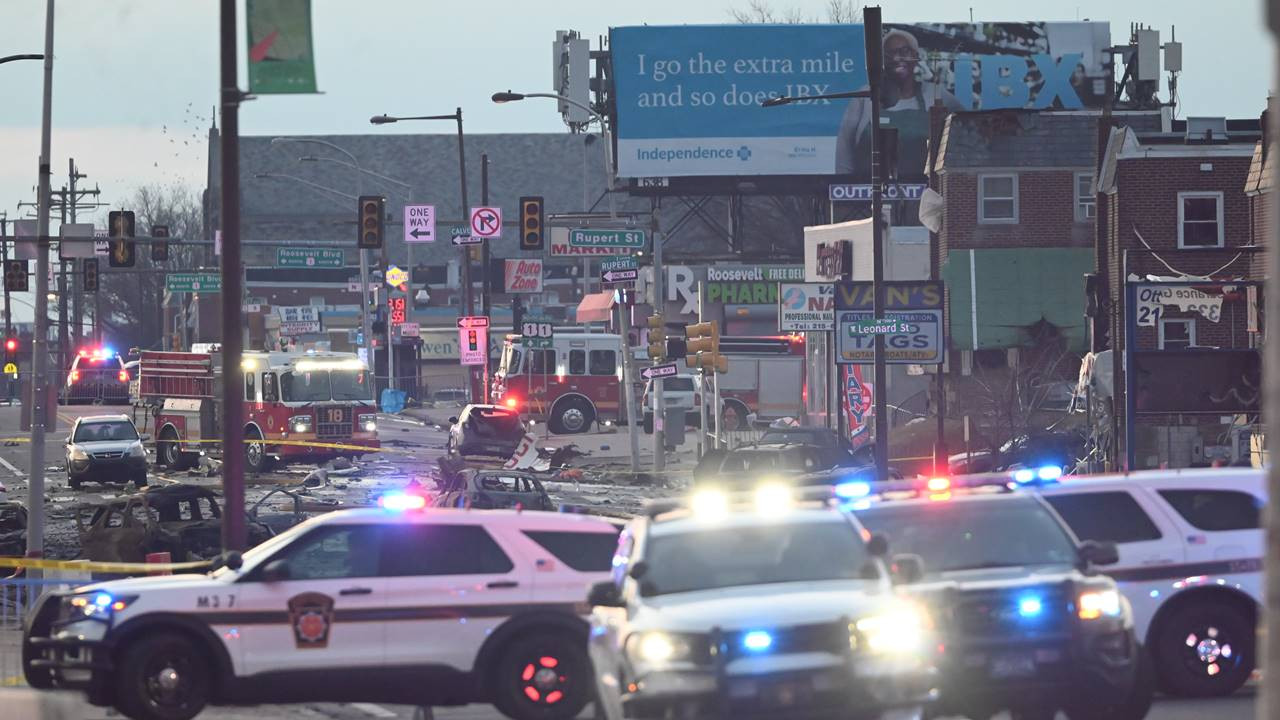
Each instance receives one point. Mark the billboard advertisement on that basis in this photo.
(689, 97)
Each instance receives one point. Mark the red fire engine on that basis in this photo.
(323, 398)
(578, 380)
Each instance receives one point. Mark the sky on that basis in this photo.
(135, 81)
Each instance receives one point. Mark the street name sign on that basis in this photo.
(622, 262)
(291, 257)
(912, 324)
(419, 223)
(659, 371)
(193, 282)
(486, 222)
(461, 235)
(587, 237)
(884, 326)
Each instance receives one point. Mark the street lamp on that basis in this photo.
(366, 326)
(501, 98)
(465, 251)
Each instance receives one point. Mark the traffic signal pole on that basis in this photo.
(875, 63)
(40, 340)
(659, 302)
(1269, 702)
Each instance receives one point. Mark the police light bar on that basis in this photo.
(336, 364)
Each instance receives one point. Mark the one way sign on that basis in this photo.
(659, 371)
(618, 276)
(419, 223)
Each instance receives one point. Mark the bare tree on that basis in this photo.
(132, 302)
(760, 11)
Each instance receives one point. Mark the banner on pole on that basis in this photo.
(281, 54)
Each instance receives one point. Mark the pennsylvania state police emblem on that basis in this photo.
(311, 616)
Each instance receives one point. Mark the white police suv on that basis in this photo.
(400, 605)
(1191, 547)
(773, 609)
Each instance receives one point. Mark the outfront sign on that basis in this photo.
(912, 323)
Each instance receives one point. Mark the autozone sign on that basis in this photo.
(523, 275)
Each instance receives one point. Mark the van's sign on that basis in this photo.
(912, 324)
(806, 307)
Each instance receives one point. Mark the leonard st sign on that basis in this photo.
(912, 325)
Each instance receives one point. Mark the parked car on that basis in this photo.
(183, 520)
(1033, 450)
(817, 436)
(494, 489)
(449, 396)
(485, 430)
(105, 449)
(744, 465)
(680, 392)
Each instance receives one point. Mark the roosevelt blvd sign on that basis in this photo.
(193, 282)
(309, 257)
(659, 371)
(586, 237)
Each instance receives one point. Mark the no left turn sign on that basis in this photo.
(486, 221)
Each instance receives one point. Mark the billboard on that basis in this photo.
(688, 97)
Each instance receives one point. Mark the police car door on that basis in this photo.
(1222, 527)
(450, 585)
(328, 610)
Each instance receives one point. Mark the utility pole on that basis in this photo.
(62, 286)
(233, 450)
(659, 304)
(40, 339)
(1269, 693)
(485, 290)
(875, 64)
(4, 256)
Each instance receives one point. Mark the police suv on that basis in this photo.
(400, 605)
(1027, 624)
(770, 609)
(1191, 548)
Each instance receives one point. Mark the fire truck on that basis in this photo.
(578, 380)
(307, 399)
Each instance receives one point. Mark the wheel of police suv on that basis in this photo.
(162, 677)
(543, 677)
(1205, 649)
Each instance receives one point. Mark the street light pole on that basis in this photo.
(366, 325)
(464, 250)
(40, 340)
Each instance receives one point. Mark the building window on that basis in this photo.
(1177, 334)
(998, 198)
(1200, 220)
(1086, 200)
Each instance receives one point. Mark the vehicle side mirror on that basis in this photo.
(605, 594)
(1093, 552)
(453, 421)
(275, 571)
(906, 569)
(233, 560)
(878, 545)
(639, 570)
(145, 437)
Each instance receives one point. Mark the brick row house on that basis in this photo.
(1015, 241)
(1179, 240)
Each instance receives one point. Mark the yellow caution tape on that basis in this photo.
(105, 567)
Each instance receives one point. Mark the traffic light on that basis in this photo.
(160, 248)
(531, 236)
(657, 338)
(702, 345)
(120, 228)
(91, 274)
(473, 341)
(11, 357)
(15, 275)
(372, 222)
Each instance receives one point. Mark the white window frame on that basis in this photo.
(1189, 323)
(1086, 205)
(1184, 195)
(982, 200)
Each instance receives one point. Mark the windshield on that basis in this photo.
(105, 432)
(350, 385)
(799, 437)
(970, 535)
(737, 556)
(791, 460)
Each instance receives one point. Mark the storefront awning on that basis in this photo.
(595, 307)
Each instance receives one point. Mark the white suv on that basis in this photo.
(780, 610)
(1191, 549)
(415, 606)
